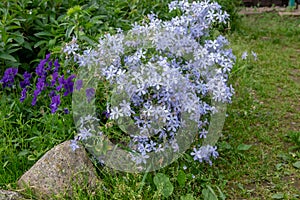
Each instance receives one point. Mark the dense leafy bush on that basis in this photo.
(29, 29)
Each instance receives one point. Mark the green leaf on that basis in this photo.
(23, 153)
(88, 40)
(43, 33)
(52, 42)
(7, 28)
(181, 178)
(163, 184)
(221, 194)
(70, 31)
(39, 43)
(209, 194)
(244, 147)
(277, 196)
(26, 45)
(19, 40)
(187, 197)
(279, 166)
(297, 164)
(12, 50)
(225, 145)
(6, 56)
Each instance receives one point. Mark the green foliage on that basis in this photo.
(187, 197)
(295, 138)
(209, 194)
(30, 28)
(181, 178)
(26, 134)
(163, 184)
(244, 147)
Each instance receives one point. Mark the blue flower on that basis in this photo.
(56, 65)
(79, 84)
(106, 113)
(23, 94)
(84, 134)
(55, 102)
(40, 69)
(61, 82)
(244, 55)
(254, 55)
(40, 86)
(180, 73)
(66, 111)
(52, 93)
(74, 145)
(68, 85)
(204, 153)
(8, 77)
(90, 93)
(54, 79)
(26, 82)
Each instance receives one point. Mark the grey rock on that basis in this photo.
(10, 195)
(58, 171)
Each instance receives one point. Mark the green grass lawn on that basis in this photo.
(259, 149)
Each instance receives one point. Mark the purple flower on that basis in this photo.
(8, 77)
(74, 145)
(204, 153)
(79, 84)
(203, 133)
(40, 69)
(90, 93)
(27, 76)
(47, 56)
(40, 86)
(55, 102)
(35, 94)
(49, 65)
(61, 82)
(54, 78)
(254, 55)
(66, 111)
(56, 65)
(52, 94)
(245, 55)
(68, 85)
(23, 94)
(84, 133)
(106, 113)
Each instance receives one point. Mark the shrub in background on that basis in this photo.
(29, 29)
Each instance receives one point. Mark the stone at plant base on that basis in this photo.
(58, 171)
(10, 195)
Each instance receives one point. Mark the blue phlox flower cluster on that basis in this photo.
(204, 153)
(168, 73)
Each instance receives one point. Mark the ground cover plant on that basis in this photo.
(262, 129)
